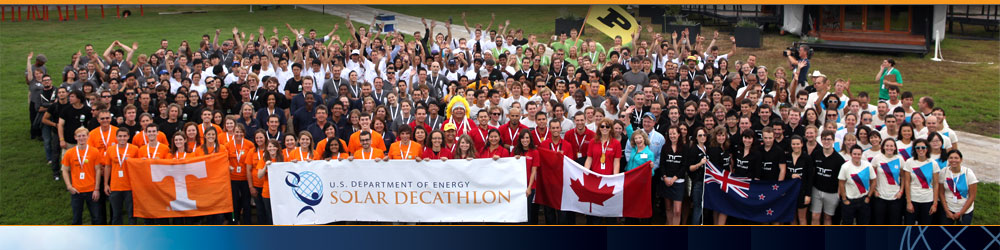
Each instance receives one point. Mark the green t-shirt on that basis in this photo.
(883, 92)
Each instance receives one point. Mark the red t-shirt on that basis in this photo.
(499, 151)
(531, 161)
(612, 151)
(479, 136)
(563, 147)
(579, 142)
(508, 135)
(538, 136)
(429, 154)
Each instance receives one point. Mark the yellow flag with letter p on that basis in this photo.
(613, 21)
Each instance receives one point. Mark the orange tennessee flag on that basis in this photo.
(195, 186)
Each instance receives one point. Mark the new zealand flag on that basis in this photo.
(763, 201)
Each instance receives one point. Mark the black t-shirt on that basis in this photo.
(74, 118)
(744, 164)
(827, 172)
(770, 161)
(694, 156)
(55, 110)
(719, 158)
(295, 86)
(805, 167)
(169, 128)
(672, 162)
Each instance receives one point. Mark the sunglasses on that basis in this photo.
(105, 96)
(919, 147)
(496, 114)
(105, 118)
(605, 126)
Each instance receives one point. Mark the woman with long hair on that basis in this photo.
(333, 151)
(526, 147)
(271, 155)
(210, 143)
(672, 174)
(305, 150)
(603, 156)
(919, 181)
(719, 156)
(436, 148)
(178, 146)
(465, 148)
(239, 160)
(957, 188)
(801, 166)
(888, 204)
(696, 159)
(493, 148)
(260, 143)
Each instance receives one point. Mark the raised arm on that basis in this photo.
(335, 27)
(107, 52)
(493, 17)
(215, 39)
(466, 23)
(130, 51)
(236, 37)
(289, 26)
(30, 75)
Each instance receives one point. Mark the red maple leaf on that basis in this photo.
(591, 192)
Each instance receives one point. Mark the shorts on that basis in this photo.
(823, 201)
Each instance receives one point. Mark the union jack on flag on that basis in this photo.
(740, 185)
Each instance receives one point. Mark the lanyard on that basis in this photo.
(480, 131)
(355, 89)
(154, 150)
(301, 157)
(579, 141)
(540, 139)
(370, 154)
(276, 135)
(121, 156)
(105, 139)
(406, 156)
(239, 151)
(286, 154)
(179, 156)
(79, 159)
(554, 148)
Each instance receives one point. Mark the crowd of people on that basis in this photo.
(487, 92)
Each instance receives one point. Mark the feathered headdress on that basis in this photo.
(456, 100)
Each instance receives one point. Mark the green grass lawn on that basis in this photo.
(28, 195)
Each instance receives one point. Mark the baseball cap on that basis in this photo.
(689, 58)
(355, 52)
(650, 115)
(449, 126)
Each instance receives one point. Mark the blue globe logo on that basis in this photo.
(307, 187)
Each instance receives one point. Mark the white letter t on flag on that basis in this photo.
(181, 201)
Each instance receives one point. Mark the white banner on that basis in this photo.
(319, 192)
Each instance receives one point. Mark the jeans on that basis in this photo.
(532, 210)
(121, 205)
(966, 219)
(47, 135)
(887, 212)
(241, 201)
(921, 214)
(95, 208)
(858, 209)
(697, 189)
(262, 218)
(267, 211)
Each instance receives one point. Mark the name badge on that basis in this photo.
(602, 166)
(643, 156)
(121, 174)
(239, 169)
(82, 175)
(579, 155)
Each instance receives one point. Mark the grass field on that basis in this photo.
(28, 195)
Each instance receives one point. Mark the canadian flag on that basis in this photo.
(565, 185)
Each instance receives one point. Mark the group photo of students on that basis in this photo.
(460, 91)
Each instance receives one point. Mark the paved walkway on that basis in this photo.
(981, 153)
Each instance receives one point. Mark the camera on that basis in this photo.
(794, 51)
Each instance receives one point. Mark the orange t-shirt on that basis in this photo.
(140, 140)
(240, 155)
(101, 139)
(409, 152)
(321, 147)
(83, 174)
(297, 155)
(355, 142)
(221, 134)
(266, 190)
(252, 162)
(115, 157)
(161, 151)
(211, 150)
(374, 154)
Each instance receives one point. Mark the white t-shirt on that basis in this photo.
(958, 192)
(847, 173)
(922, 182)
(889, 180)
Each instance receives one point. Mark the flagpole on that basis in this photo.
(582, 26)
(704, 171)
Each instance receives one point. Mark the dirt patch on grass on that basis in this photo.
(991, 129)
